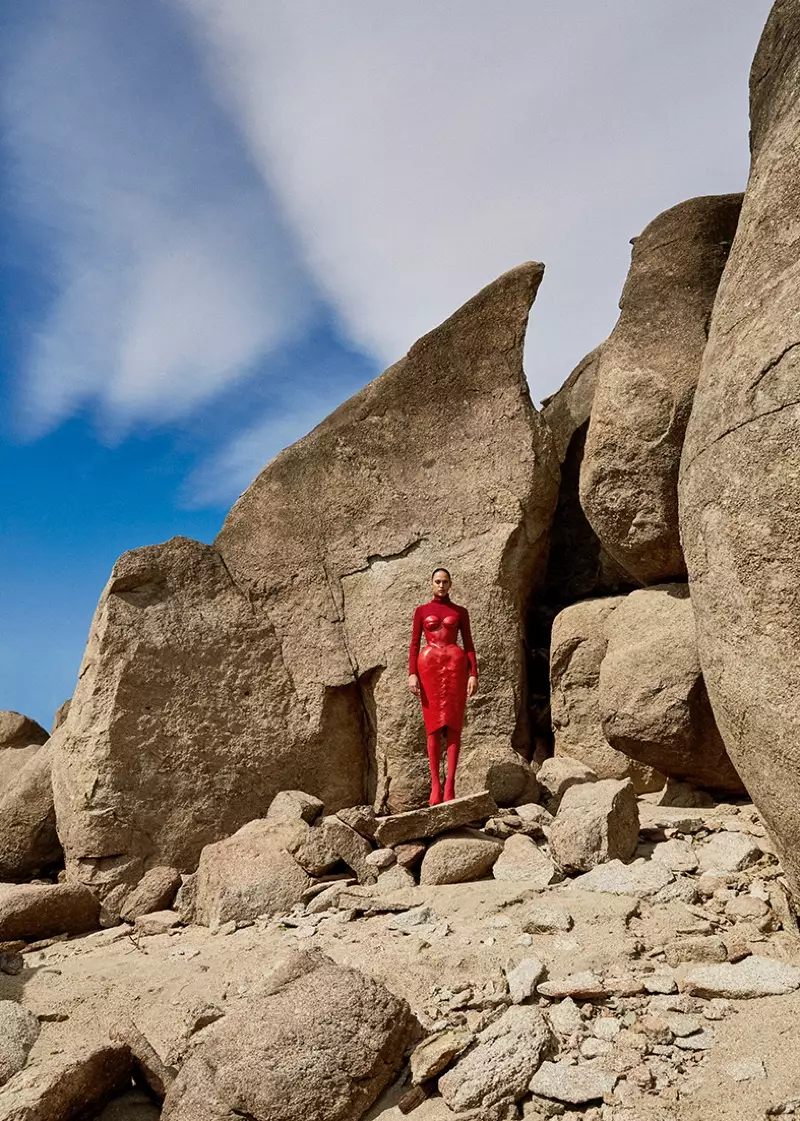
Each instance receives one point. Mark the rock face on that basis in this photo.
(577, 565)
(395, 481)
(652, 697)
(281, 1060)
(741, 461)
(646, 380)
(578, 647)
(181, 727)
(28, 839)
(215, 677)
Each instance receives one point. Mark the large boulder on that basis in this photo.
(184, 725)
(652, 698)
(577, 566)
(741, 462)
(215, 677)
(440, 460)
(577, 650)
(17, 730)
(251, 873)
(29, 843)
(321, 1047)
(645, 385)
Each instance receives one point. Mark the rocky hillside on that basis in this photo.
(222, 894)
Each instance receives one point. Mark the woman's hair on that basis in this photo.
(441, 568)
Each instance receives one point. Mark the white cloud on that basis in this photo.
(172, 270)
(419, 149)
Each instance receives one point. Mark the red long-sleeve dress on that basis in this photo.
(442, 666)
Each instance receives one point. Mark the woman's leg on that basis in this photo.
(434, 762)
(453, 748)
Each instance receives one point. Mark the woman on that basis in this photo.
(442, 675)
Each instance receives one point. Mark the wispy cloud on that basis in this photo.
(172, 270)
(419, 149)
(208, 173)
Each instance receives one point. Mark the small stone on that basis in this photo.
(683, 1023)
(522, 859)
(157, 922)
(523, 978)
(459, 857)
(11, 963)
(755, 976)
(381, 859)
(656, 1030)
(408, 921)
(728, 852)
(695, 949)
(678, 856)
(542, 918)
(409, 855)
(681, 889)
(746, 1070)
(746, 908)
(660, 982)
(585, 984)
(606, 1027)
(533, 814)
(565, 1016)
(155, 892)
(574, 1084)
(525, 940)
(697, 1041)
(436, 1052)
(592, 1048)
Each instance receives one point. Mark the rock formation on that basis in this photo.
(215, 677)
(646, 380)
(652, 698)
(440, 460)
(741, 462)
(29, 843)
(577, 650)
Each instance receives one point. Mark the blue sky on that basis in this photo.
(218, 219)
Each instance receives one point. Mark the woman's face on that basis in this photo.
(440, 582)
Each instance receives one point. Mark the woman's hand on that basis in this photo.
(413, 684)
(472, 686)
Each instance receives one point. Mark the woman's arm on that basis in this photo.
(469, 645)
(413, 652)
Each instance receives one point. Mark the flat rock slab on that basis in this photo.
(639, 880)
(753, 977)
(33, 911)
(430, 1057)
(574, 1084)
(430, 821)
(502, 1064)
(585, 985)
(728, 852)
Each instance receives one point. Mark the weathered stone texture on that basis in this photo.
(652, 697)
(578, 647)
(440, 460)
(184, 724)
(645, 385)
(741, 461)
(28, 840)
(320, 1048)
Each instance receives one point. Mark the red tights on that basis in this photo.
(453, 740)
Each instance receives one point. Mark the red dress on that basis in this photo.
(442, 665)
